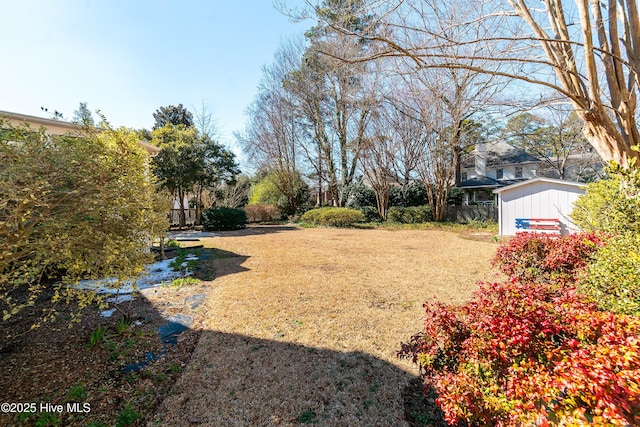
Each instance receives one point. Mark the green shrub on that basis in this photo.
(172, 243)
(371, 214)
(69, 211)
(312, 216)
(410, 215)
(613, 206)
(220, 219)
(455, 197)
(296, 202)
(361, 195)
(333, 217)
(612, 280)
(413, 194)
(264, 191)
(604, 208)
(289, 196)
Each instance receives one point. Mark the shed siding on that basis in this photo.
(537, 200)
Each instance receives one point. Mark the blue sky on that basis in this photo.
(129, 57)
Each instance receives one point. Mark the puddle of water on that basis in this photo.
(156, 274)
(148, 358)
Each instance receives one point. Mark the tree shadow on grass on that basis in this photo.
(220, 263)
(257, 230)
(241, 380)
(420, 407)
(207, 377)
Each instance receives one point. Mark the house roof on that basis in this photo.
(54, 127)
(60, 127)
(486, 182)
(500, 153)
(535, 180)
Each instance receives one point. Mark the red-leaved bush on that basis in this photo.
(543, 258)
(531, 351)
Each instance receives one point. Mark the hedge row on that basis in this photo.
(333, 217)
(221, 219)
(262, 213)
(410, 215)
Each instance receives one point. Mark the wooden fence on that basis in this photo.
(189, 214)
(471, 213)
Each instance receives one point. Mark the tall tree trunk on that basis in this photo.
(382, 202)
(199, 192)
(607, 141)
(182, 217)
(457, 154)
(319, 200)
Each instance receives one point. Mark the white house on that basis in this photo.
(537, 198)
(493, 165)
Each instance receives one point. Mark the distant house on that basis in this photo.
(493, 165)
(581, 167)
(537, 198)
(59, 127)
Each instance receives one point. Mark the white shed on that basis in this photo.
(537, 198)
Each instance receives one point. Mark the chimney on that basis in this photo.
(481, 159)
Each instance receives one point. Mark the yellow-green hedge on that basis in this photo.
(333, 217)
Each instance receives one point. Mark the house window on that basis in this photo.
(518, 171)
(500, 174)
(464, 175)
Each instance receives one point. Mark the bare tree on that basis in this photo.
(336, 98)
(272, 133)
(204, 122)
(554, 135)
(378, 156)
(404, 126)
(395, 147)
(437, 166)
(447, 100)
(438, 128)
(307, 85)
(594, 66)
(230, 194)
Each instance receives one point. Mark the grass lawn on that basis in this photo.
(301, 326)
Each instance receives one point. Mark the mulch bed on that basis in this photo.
(123, 377)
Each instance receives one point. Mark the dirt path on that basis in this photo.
(302, 325)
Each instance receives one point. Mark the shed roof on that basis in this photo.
(539, 179)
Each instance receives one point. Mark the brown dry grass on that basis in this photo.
(303, 325)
